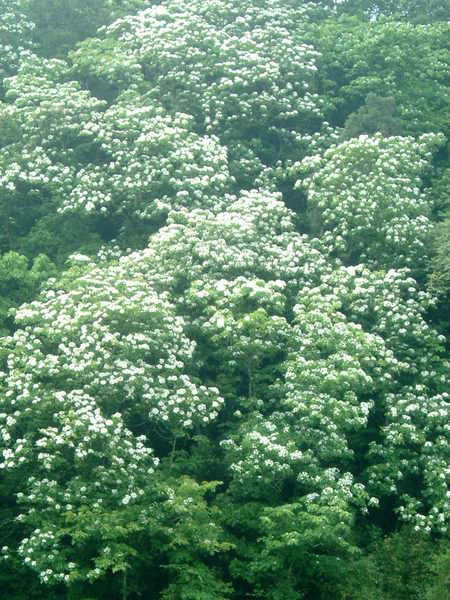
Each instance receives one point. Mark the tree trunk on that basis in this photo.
(124, 586)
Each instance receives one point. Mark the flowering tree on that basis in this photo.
(15, 36)
(119, 170)
(349, 431)
(367, 202)
(92, 366)
(243, 71)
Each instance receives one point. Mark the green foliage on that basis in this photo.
(405, 565)
(413, 11)
(19, 283)
(439, 583)
(440, 264)
(192, 535)
(377, 114)
(391, 59)
(441, 268)
(59, 24)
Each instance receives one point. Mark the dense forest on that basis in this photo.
(224, 299)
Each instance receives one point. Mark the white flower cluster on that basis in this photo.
(267, 453)
(154, 164)
(82, 460)
(110, 341)
(111, 348)
(327, 391)
(366, 192)
(87, 364)
(15, 36)
(113, 337)
(262, 456)
(133, 161)
(409, 378)
(253, 238)
(242, 317)
(416, 446)
(337, 495)
(46, 117)
(330, 375)
(390, 305)
(242, 70)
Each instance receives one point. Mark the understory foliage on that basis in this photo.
(223, 358)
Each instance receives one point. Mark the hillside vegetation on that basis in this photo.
(224, 292)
